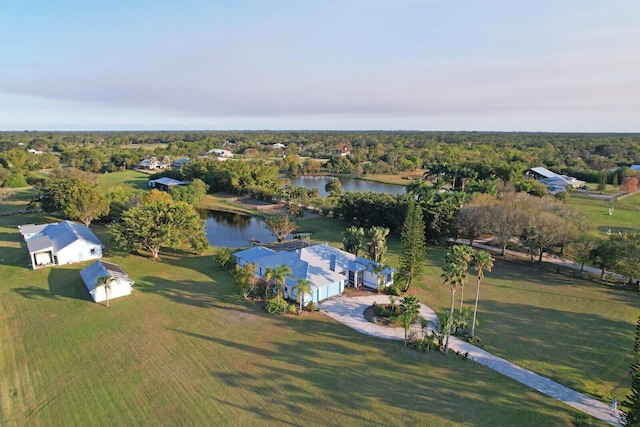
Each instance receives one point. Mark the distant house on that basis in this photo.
(554, 182)
(179, 162)
(220, 153)
(65, 242)
(120, 286)
(151, 164)
(33, 151)
(279, 145)
(328, 269)
(342, 149)
(165, 184)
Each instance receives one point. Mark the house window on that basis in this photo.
(93, 251)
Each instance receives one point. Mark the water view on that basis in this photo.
(234, 230)
(348, 184)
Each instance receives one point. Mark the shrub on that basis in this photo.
(224, 258)
(278, 306)
(395, 289)
(16, 181)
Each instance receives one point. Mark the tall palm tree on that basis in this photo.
(278, 276)
(462, 256)
(302, 288)
(482, 261)
(104, 281)
(454, 275)
(409, 310)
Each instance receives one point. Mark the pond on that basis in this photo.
(234, 230)
(348, 184)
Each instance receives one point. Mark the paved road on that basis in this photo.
(349, 311)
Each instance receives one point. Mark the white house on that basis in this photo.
(151, 164)
(120, 286)
(328, 269)
(220, 153)
(60, 243)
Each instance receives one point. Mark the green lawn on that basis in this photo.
(184, 349)
(575, 332)
(625, 214)
(128, 179)
(19, 198)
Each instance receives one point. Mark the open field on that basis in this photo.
(575, 332)
(146, 146)
(625, 217)
(128, 179)
(19, 199)
(185, 349)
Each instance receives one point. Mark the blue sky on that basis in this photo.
(320, 64)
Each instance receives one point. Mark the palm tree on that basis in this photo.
(461, 255)
(104, 281)
(454, 275)
(278, 276)
(482, 261)
(409, 310)
(302, 288)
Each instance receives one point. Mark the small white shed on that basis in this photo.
(120, 286)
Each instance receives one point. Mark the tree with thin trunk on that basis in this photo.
(280, 226)
(631, 417)
(583, 245)
(509, 217)
(464, 256)
(156, 224)
(409, 310)
(482, 261)
(104, 282)
(302, 289)
(413, 246)
(277, 276)
(454, 275)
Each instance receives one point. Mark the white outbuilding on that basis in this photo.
(60, 243)
(120, 285)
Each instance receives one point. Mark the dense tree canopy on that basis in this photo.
(156, 224)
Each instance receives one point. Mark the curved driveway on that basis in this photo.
(349, 311)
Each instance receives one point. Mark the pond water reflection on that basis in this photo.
(348, 184)
(234, 230)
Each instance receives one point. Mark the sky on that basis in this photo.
(481, 65)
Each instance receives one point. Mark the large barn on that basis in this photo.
(60, 243)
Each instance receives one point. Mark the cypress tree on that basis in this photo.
(631, 417)
(413, 246)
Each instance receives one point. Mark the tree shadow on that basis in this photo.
(560, 342)
(293, 375)
(16, 254)
(66, 282)
(191, 292)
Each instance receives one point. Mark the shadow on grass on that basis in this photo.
(66, 282)
(572, 346)
(295, 374)
(191, 292)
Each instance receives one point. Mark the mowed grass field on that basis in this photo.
(128, 179)
(184, 349)
(625, 218)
